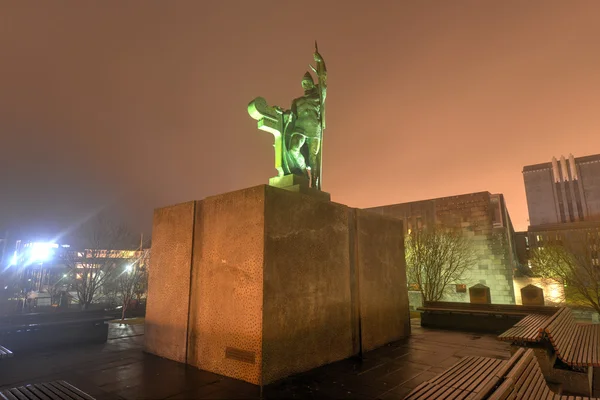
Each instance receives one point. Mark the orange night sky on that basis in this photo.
(129, 106)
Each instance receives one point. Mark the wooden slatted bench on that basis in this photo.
(5, 353)
(478, 378)
(529, 329)
(58, 390)
(526, 381)
(577, 345)
(472, 378)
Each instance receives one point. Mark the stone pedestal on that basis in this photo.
(263, 283)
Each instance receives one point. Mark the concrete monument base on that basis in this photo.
(263, 283)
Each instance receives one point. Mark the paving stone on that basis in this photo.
(120, 369)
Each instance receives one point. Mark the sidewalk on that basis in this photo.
(120, 370)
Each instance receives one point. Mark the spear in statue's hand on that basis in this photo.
(321, 72)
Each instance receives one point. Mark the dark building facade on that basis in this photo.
(563, 200)
(582, 237)
(483, 218)
(565, 190)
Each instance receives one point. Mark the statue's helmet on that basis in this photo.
(307, 81)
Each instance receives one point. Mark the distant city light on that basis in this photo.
(64, 275)
(129, 268)
(13, 260)
(41, 251)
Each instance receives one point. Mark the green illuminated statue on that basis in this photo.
(298, 131)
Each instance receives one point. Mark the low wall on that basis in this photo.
(485, 318)
(48, 334)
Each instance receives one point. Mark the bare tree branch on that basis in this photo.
(574, 263)
(132, 281)
(97, 259)
(436, 259)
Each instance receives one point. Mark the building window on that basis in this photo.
(460, 288)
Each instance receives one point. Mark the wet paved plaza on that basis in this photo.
(120, 370)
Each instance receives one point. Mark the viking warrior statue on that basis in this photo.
(298, 131)
(304, 126)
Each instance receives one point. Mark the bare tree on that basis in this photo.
(573, 263)
(55, 289)
(97, 259)
(437, 258)
(133, 279)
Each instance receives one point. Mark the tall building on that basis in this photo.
(483, 217)
(563, 200)
(563, 191)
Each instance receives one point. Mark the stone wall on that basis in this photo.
(226, 304)
(483, 218)
(167, 307)
(307, 304)
(383, 298)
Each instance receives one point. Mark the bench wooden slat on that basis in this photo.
(15, 392)
(67, 387)
(529, 329)
(57, 393)
(478, 378)
(57, 390)
(575, 344)
(429, 390)
(6, 395)
(485, 375)
(37, 393)
(5, 353)
(457, 378)
(28, 394)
